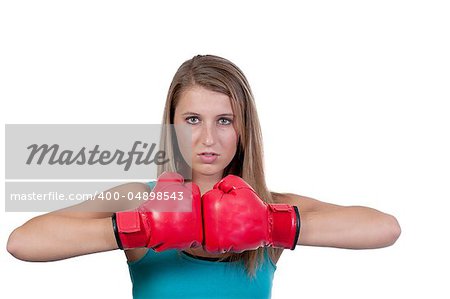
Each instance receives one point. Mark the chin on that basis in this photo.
(208, 169)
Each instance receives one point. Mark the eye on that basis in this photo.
(225, 121)
(192, 120)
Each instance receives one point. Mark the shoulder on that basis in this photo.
(290, 198)
(134, 186)
(99, 208)
(305, 203)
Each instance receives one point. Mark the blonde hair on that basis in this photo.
(221, 75)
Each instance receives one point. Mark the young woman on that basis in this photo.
(187, 255)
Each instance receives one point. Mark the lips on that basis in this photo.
(208, 157)
(209, 154)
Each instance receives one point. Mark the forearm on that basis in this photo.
(56, 237)
(348, 227)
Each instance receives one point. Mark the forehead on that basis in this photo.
(203, 101)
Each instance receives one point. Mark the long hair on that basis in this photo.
(221, 75)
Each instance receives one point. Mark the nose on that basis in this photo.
(208, 134)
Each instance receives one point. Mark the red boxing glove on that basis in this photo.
(162, 230)
(235, 219)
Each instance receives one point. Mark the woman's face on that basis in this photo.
(212, 141)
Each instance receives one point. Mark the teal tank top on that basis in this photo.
(177, 274)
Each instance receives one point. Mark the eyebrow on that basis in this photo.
(193, 113)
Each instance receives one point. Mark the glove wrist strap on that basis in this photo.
(285, 225)
(129, 230)
(116, 231)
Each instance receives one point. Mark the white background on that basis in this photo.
(352, 96)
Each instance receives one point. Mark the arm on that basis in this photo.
(70, 232)
(352, 227)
